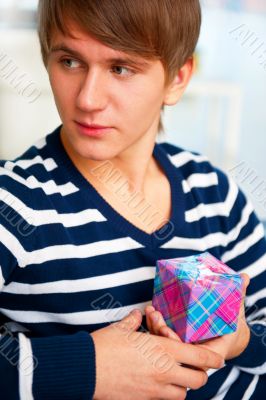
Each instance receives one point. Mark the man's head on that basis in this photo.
(167, 30)
(162, 32)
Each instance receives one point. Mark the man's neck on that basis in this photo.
(135, 165)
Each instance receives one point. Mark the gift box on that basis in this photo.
(199, 296)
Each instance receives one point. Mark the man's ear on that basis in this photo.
(177, 87)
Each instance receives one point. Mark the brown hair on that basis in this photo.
(166, 30)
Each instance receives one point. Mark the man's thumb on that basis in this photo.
(130, 322)
(246, 279)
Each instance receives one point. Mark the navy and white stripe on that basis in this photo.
(71, 264)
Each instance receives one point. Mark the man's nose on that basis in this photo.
(93, 95)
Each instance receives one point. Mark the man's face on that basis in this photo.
(94, 84)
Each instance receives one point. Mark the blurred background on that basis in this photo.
(221, 115)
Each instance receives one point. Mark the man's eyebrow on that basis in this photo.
(61, 47)
(124, 60)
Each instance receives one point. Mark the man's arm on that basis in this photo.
(56, 367)
(246, 252)
(129, 363)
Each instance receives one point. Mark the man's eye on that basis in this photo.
(119, 70)
(70, 63)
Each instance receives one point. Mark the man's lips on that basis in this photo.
(92, 130)
(92, 126)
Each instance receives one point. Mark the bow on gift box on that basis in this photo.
(198, 296)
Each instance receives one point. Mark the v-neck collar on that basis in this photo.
(152, 240)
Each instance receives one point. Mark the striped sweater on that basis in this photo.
(68, 260)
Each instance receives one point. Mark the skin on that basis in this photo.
(228, 346)
(88, 88)
(128, 98)
(126, 369)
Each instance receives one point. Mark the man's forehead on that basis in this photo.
(78, 43)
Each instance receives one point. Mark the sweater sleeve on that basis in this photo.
(54, 367)
(246, 252)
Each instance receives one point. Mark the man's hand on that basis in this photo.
(135, 365)
(228, 346)
(233, 344)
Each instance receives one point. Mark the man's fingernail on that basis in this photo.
(155, 317)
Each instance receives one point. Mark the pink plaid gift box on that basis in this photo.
(198, 296)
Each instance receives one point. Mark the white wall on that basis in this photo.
(23, 120)
(203, 123)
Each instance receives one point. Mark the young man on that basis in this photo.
(87, 211)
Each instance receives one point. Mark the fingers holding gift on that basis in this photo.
(246, 279)
(156, 324)
(168, 332)
(246, 282)
(155, 320)
(189, 378)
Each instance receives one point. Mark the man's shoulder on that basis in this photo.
(22, 162)
(187, 159)
(22, 171)
(198, 171)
